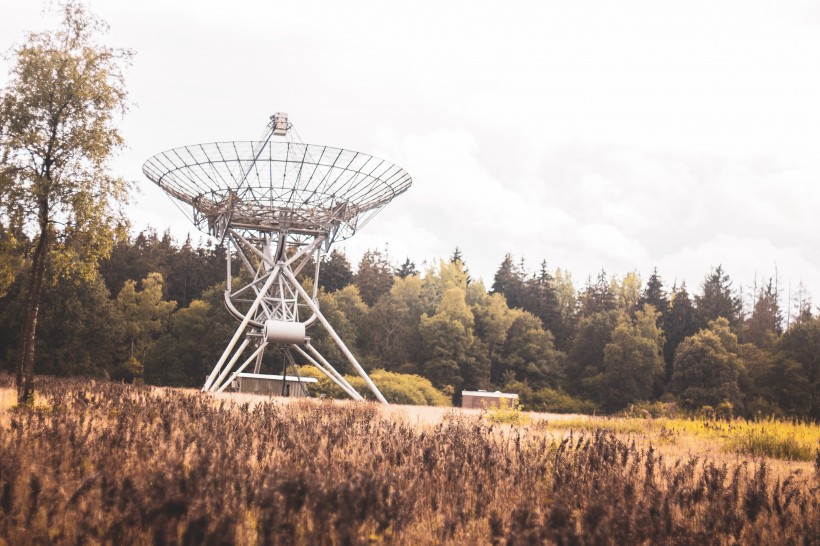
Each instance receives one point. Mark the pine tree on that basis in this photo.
(374, 276)
(407, 269)
(655, 295)
(597, 297)
(765, 324)
(680, 323)
(509, 281)
(718, 299)
(796, 378)
(335, 272)
(541, 300)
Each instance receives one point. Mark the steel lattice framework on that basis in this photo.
(277, 205)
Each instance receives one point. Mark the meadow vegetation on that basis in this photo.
(107, 463)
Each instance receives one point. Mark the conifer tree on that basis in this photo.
(509, 281)
(655, 295)
(335, 272)
(597, 297)
(374, 276)
(679, 324)
(718, 299)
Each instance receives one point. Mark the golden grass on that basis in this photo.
(125, 464)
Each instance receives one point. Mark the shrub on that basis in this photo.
(508, 412)
(397, 388)
(653, 410)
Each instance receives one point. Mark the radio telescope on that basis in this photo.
(277, 203)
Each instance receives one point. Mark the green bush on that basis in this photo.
(549, 400)
(397, 388)
(654, 410)
(508, 412)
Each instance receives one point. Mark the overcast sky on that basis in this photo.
(614, 135)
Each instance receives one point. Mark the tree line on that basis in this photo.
(153, 311)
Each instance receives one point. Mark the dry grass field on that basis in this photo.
(114, 464)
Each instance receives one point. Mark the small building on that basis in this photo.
(485, 399)
(272, 385)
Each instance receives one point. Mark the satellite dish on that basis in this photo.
(277, 204)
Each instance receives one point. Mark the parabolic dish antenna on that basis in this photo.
(278, 204)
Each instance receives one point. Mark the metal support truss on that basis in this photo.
(271, 306)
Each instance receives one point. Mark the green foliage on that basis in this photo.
(796, 372)
(655, 295)
(597, 297)
(390, 335)
(195, 339)
(509, 282)
(335, 272)
(345, 310)
(374, 276)
(507, 412)
(718, 299)
(397, 388)
(453, 356)
(632, 360)
(679, 323)
(549, 400)
(586, 355)
(57, 137)
(706, 368)
(145, 314)
(529, 354)
(11, 255)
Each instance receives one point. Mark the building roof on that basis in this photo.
(496, 394)
(288, 378)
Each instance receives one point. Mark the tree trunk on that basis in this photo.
(25, 355)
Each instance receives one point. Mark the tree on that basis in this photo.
(586, 357)
(597, 297)
(718, 299)
(346, 328)
(196, 337)
(679, 324)
(541, 300)
(530, 355)
(796, 378)
(765, 324)
(801, 306)
(452, 357)
(509, 281)
(633, 362)
(706, 367)
(335, 272)
(11, 256)
(654, 295)
(407, 269)
(390, 336)
(493, 319)
(374, 276)
(567, 306)
(146, 317)
(627, 292)
(57, 136)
